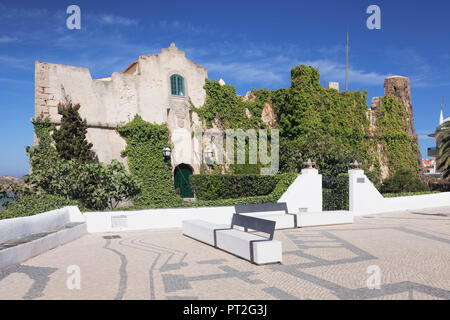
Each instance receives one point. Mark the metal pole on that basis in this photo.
(346, 65)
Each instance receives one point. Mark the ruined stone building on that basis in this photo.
(157, 87)
(397, 86)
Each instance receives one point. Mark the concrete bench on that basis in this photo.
(201, 230)
(277, 212)
(250, 246)
(310, 219)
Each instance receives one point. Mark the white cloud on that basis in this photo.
(22, 13)
(275, 71)
(111, 19)
(14, 62)
(15, 81)
(247, 72)
(6, 39)
(176, 25)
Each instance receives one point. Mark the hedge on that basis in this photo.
(435, 184)
(285, 180)
(336, 198)
(232, 186)
(404, 194)
(34, 204)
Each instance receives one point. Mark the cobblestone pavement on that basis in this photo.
(410, 249)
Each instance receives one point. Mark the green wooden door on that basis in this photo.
(181, 181)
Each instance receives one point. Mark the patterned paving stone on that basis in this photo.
(410, 249)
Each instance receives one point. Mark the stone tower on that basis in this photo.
(398, 86)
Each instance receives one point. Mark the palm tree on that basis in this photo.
(443, 142)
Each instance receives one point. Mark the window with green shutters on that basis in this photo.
(177, 85)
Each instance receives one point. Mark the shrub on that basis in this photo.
(95, 185)
(404, 194)
(436, 184)
(30, 205)
(285, 180)
(330, 160)
(215, 187)
(403, 181)
(337, 197)
(443, 138)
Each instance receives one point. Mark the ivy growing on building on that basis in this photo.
(317, 121)
(145, 142)
(392, 134)
(231, 111)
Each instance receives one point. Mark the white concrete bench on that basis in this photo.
(201, 230)
(250, 246)
(277, 212)
(309, 219)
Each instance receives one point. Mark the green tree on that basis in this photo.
(291, 159)
(94, 185)
(403, 181)
(443, 138)
(70, 138)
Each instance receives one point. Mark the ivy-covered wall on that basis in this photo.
(398, 147)
(307, 112)
(228, 110)
(145, 142)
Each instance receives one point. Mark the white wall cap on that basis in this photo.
(310, 171)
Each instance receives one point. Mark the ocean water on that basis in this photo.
(2, 202)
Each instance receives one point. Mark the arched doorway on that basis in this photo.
(181, 181)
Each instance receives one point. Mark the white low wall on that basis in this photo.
(25, 251)
(20, 227)
(17, 228)
(154, 218)
(305, 193)
(364, 198)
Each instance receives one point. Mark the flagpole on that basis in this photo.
(346, 65)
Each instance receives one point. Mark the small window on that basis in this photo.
(177, 85)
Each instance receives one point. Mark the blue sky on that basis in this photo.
(250, 44)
